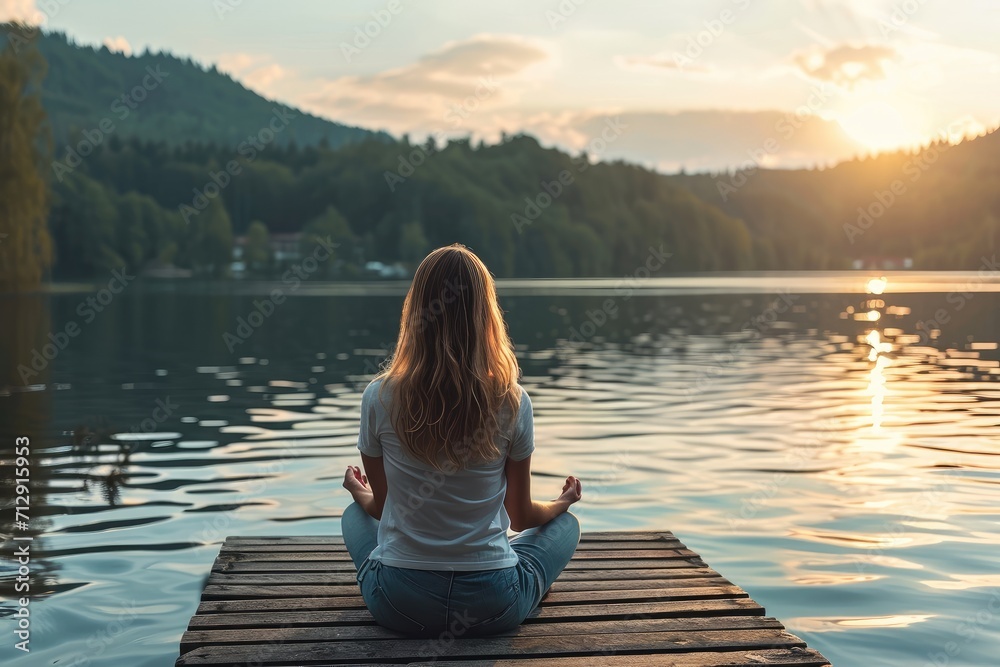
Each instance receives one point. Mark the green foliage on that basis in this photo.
(211, 240)
(257, 253)
(527, 210)
(938, 206)
(187, 102)
(329, 227)
(413, 245)
(97, 230)
(25, 242)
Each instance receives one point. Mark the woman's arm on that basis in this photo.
(371, 498)
(526, 513)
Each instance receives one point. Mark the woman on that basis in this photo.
(446, 436)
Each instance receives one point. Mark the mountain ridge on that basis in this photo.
(187, 102)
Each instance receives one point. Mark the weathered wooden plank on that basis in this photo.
(621, 584)
(227, 592)
(645, 594)
(553, 598)
(489, 647)
(336, 575)
(679, 578)
(618, 536)
(288, 539)
(349, 600)
(338, 563)
(272, 567)
(627, 599)
(284, 548)
(334, 582)
(675, 571)
(800, 657)
(194, 638)
(691, 608)
(224, 593)
(280, 547)
(278, 566)
(651, 550)
(603, 536)
(672, 543)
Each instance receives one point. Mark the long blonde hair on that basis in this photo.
(453, 375)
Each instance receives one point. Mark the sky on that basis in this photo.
(696, 85)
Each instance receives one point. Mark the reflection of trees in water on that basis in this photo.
(88, 442)
(24, 414)
(28, 413)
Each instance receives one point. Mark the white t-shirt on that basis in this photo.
(437, 521)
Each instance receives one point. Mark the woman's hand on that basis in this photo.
(572, 490)
(356, 483)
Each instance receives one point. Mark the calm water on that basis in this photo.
(849, 480)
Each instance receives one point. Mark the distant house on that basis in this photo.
(158, 269)
(882, 263)
(387, 270)
(284, 247)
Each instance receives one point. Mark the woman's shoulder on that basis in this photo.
(524, 409)
(373, 392)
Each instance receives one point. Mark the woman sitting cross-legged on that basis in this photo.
(446, 437)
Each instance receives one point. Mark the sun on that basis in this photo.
(879, 127)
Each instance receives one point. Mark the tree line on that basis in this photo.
(140, 200)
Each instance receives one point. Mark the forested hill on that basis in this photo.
(166, 99)
(939, 207)
(528, 210)
(180, 188)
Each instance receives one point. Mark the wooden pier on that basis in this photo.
(627, 599)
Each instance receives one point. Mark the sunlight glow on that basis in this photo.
(878, 347)
(876, 285)
(876, 387)
(879, 127)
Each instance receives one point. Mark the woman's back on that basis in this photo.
(446, 435)
(453, 518)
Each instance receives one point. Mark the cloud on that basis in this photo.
(438, 91)
(846, 64)
(262, 77)
(118, 45)
(482, 56)
(254, 71)
(20, 10)
(698, 140)
(674, 62)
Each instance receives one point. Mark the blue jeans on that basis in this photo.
(439, 603)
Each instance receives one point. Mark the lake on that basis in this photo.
(830, 443)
